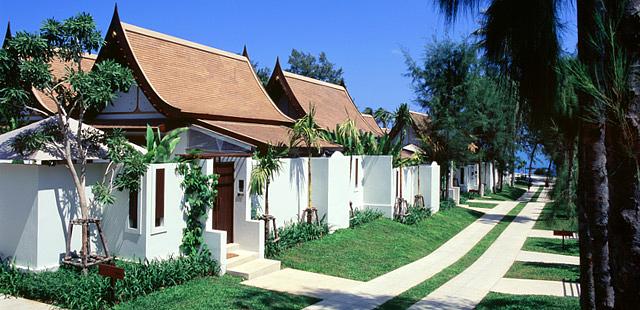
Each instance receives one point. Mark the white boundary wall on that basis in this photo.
(428, 185)
(36, 203)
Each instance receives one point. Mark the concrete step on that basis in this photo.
(242, 257)
(233, 247)
(255, 268)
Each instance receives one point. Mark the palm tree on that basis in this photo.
(521, 37)
(306, 131)
(268, 165)
(368, 110)
(383, 117)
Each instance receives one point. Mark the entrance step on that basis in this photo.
(231, 247)
(241, 257)
(255, 268)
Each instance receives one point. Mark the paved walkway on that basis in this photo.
(468, 288)
(548, 258)
(7, 302)
(306, 283)
(537, 287)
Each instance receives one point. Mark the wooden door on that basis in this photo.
(223, 210)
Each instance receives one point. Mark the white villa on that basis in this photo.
(229, 115)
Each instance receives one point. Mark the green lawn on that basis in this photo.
(551, 219)
(548, 245)
(526, 302)
(481, 205)
(542, 271)
(378, 247)
(536, 195)
(508, 193)
(414, 294)
(217, 293)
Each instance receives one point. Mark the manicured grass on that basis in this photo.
(526, 302)
(536, 195)
(508, 193)
(481, 205)
(375, 248)
(550, 220)
(548, 245)
(414, 294)
(542, 271)
(217, 293)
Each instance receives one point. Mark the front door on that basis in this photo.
(223, 210)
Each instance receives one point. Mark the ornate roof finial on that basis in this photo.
(244, 52)
(7, 35)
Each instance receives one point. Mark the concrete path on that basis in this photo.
(8, 302)
(537, 287)
(305, 283)
(467, 289)
(548, 258)
(371, 294)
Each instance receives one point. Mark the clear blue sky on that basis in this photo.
(365, 38)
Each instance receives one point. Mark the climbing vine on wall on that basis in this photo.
(199, 196)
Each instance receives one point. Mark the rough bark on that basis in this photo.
(593, 182)
(623, 157)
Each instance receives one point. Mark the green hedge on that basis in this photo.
(294, 234)
(364, 216)
(68, 288)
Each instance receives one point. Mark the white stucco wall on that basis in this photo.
(34, 223)
(18, 213)
(378, 184)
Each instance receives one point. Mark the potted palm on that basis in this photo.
(268, 164)
(306, 131)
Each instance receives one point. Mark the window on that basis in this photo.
(133, 209)
(159, 214)
(462, 175)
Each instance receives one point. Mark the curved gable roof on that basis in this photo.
(332, 102)
(190, 80)
(371, 121)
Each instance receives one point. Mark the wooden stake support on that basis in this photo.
(85, 259)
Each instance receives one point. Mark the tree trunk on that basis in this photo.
(623, 151)
(266, 198)
(593, 198)
(309, 181)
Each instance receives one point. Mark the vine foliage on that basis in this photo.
(199, 196)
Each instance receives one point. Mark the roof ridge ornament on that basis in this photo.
(7, 35)
(245, 53)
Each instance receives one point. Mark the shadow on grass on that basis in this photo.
(522, 302)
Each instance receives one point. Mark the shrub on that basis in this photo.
(295, 234)
(363, 216)
(465, 196)
(68, 288)
(415, 215)
(448, 204)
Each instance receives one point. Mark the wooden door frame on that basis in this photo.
(230, 235)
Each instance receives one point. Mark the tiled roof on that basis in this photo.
(258, 133)
(371, 121)
(200, 81)
(332, 102)
(421, 122)
(46, 104)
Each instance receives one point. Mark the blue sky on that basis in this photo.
(365, 38)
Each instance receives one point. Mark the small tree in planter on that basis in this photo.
(306, 131)
(27, 56)
(268, 165)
